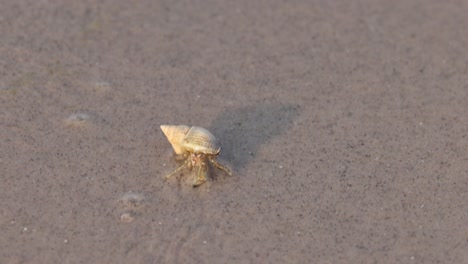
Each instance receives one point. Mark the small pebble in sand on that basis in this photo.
(132, 200)
(77, 120)
(102, 87)
(127, 218)
(131, 204)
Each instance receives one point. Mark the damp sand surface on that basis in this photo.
(344, 123)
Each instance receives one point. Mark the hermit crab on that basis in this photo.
(197, 148)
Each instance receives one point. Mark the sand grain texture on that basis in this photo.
(345, 123)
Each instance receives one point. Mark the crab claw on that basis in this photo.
(202, 171)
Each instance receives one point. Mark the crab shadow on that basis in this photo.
(242, 131)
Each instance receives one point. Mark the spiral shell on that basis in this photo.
(200, 140)
(191, 139)
(175, 135)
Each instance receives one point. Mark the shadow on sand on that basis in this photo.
(242, 131)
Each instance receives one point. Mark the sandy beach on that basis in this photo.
(345, 124)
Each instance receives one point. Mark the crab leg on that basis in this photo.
(220, 166)
(181, 167)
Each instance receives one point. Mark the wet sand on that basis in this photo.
(345, 123)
